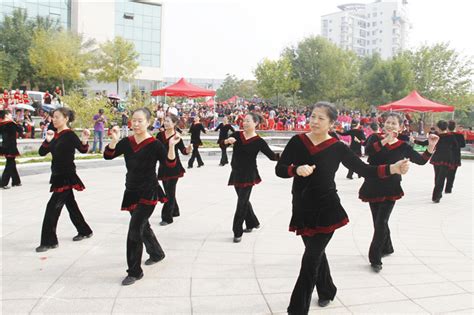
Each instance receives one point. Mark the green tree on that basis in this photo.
(442, 74)
(8, 70)
(230, 87)
(324, 71)
(117, 60)
(274, 78)
(85, 108)
(62, 56)
(384, 81)
(16, 34)
(247, 88)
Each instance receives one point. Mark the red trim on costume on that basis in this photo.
(84, 147)
(10, 155)
(381, 199)
(109, 152)
(58, 134)
(395, 145)
(449, 165)
(6, 122)
(148, 202)
(143, 201)
(170, 164)
(382, 171)
(247, 141)
(319, 229)
(255, 182)
(312, 148)
(45, 144)
(165, 178)
(77, 187)
(137, 146)
(426, 155)
(292, 170)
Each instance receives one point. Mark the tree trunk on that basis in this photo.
(62, 85)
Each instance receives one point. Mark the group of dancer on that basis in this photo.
(311, 159)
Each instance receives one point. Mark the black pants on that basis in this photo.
(195, 155)
(244, 212)
(314, 272)
(53, 210)
(170, 208)
(381, 241)
(10, 171)
(450, 179)
(139, 233)
(441, 173)
(224, 159)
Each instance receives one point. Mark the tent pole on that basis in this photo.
(452, 116)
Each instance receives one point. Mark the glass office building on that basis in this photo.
(55, 9)
(140, 23)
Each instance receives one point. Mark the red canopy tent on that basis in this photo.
(414, 102)
(183, 88)
(210, 102)
(234, 99)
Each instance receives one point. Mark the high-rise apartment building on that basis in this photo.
(380, 27)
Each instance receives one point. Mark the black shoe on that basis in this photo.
(376, 267)
(80, 237)
(164, 223)
(323, 303)
(448, 191)
(44, 248)
(17, 185)
(387, 253)
(151, 261)
(237, 239)
(5, 187)
(131, 280)
(189, 166)
(200, 165)
(436, 200)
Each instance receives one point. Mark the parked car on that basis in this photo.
(37, 98)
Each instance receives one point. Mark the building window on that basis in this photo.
(128, 16)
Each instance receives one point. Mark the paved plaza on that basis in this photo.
(431, 270)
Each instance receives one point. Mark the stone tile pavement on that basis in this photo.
(431, 270)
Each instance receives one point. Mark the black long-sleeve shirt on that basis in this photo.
(8, 130)
(244, 159)
(63, 170)
(316, 205)
(140, 160)
(444, 151)
(167, 173)
(141, 183)
(63, 148)
(376, 189)
(195, 131)
(461, 143)
(223, 131)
